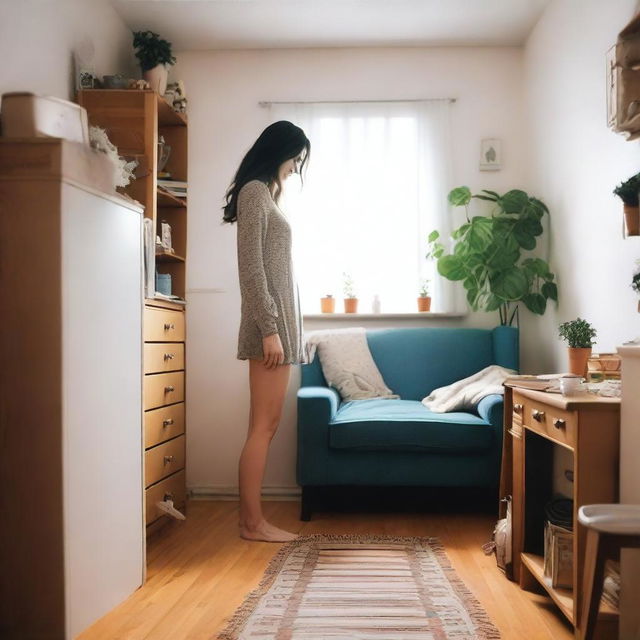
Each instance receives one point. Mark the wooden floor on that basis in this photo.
(199, 571)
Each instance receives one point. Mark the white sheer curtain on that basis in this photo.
(376, 185)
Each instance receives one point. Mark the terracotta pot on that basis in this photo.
(424, 303)
(327, 305)
(351, 305)
(632, 220)
(578, 358)
(157, 78)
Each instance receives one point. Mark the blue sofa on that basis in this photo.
(399, 442)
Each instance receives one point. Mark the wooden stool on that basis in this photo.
(610, 527)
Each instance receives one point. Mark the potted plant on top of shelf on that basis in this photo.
(579, 335)
(627, 191)
(487, 256)
(154, 54)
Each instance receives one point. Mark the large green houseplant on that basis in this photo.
(153, 54)
(488, 254)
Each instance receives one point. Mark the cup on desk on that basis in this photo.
(571, 386)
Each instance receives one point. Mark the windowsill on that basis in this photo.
(427, 315)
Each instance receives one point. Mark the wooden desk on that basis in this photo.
(535, 424)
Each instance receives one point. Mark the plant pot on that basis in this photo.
(632, 220)
(351, 305)
(327, 305)
(157, 78)
(424, 303)
(578, 358)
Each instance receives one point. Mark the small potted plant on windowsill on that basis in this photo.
(350, 298)
(424, 299)
(579, 335)
(154, 54)
(328, 304)
(627, 191)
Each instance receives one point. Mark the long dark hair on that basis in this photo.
(278, 143)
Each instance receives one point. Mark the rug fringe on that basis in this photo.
(485, 628)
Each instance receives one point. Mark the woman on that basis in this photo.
(270, 334)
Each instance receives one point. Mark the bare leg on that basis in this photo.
(268, 388)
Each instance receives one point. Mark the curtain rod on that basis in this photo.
(266, 103)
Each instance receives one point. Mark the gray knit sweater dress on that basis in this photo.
(269, 292)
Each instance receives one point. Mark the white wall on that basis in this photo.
(38, 37)
(575, 162)
(224, 89)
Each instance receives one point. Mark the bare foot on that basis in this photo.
(266, 532)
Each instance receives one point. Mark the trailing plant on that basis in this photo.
(488, 254)
(578, 333)
(635, 280)
(424, 288)
(151, 50)
(348, 286)
(627, 191)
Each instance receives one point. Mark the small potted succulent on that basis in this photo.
(154, 54)
(328, 304)
(627, 191)
(350, 298)
(579, 335)
(424, 299)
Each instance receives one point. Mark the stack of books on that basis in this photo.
(544, 382)
(176, 188)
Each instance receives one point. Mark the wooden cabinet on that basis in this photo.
(72, 533)
(536, 424)
(135, 121)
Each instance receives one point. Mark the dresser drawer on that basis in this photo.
(163, 424)
(163, 356)
(557, 424)
(163, 325)
(163, 388)
(172, 488)
(163, 460)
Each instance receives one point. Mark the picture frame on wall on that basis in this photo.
(490, 154)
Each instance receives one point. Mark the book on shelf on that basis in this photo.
(171, 298)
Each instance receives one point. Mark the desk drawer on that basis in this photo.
(163, 325)
(163, 388)
(557, 424)
(163, 356)
(173, 488)
(163, 460)
(163, 424)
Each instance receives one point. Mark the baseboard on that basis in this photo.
(225, 492)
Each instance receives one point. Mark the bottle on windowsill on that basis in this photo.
(375, 305)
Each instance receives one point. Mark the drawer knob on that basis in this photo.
(168, 422)
(168, 326)
(168, 459)
(538, 415)
(559, 423)
(517, 408)
(168, 496)
(169, 389)
(168, 356)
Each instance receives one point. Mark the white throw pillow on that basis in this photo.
(347, 364)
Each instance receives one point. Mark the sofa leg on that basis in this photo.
(306, 506)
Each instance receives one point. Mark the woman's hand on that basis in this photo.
(273, 351)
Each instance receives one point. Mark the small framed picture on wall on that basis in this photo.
(490, 154)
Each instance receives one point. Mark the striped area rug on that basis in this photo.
(360, 588)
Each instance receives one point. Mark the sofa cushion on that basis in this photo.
(406, 425)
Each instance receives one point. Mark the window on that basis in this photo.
(376, 185)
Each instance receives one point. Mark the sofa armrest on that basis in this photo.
(317, 407)
(491, 409)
